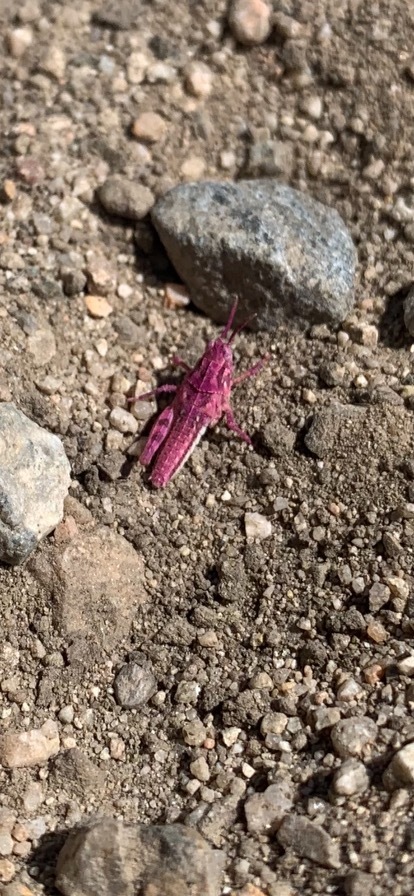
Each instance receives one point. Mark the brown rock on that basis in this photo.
(97, 580)
(149, 126)
(98, 306)
(24, 749)
(169, 860)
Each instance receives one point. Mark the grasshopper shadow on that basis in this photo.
(392, 330)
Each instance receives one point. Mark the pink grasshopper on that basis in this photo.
(200, 401)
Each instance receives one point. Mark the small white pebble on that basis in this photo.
(124, 291)
(123, 421)
(257, 526)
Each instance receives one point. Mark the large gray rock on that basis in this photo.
(34, 480)
(282, 253)
(107, 857)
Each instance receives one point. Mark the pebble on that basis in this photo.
(123, 421)
(100, 274)
(33, 796)
(406, 666)
(328, 425)
(19, 40)
(376, 632)
(164, 860)
(7, 871)
(42, 346)
(34, 477)
(269, 158)
(352, 777)
(379, 595)
(6, 843)
(149, 127)
(409, 312)
(257, 526)
(199, 79)
(199, 769)
(354, 736)
(324, 717)
(193, 168)
(260, 240)
(25, 749)
(125, 198)
(194, 733)
(349, 690)
(312, 106)
(400, 772)
(134, 685)
(250, 21)
(266, 811)
(54, 62)
(309, 841)
(98, 306)
(73, 281)
(359, 883)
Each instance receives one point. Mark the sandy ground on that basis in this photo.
(260, 646)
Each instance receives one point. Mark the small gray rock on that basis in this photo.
(134, 685)
(266, 811)
(309, 841)
(400, 772)
(352, 777)
(329, 425)
(283, 254)
(354, 736)
(359, 883)
(34, 481)
(125, 198)
(409, 312)
(107, 856)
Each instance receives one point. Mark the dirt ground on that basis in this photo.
(234, 630)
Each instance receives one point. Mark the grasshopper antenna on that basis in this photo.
(229, 323)
(242, 326)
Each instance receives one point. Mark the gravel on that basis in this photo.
(258, 648)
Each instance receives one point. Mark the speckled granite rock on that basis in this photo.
(282, 253)
(34, 480)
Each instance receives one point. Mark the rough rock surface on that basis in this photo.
(282, 253)
(97, 581)
(34, 480)
(108, 857)
(309, 840)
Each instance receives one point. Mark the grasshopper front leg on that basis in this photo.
(234, 426)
